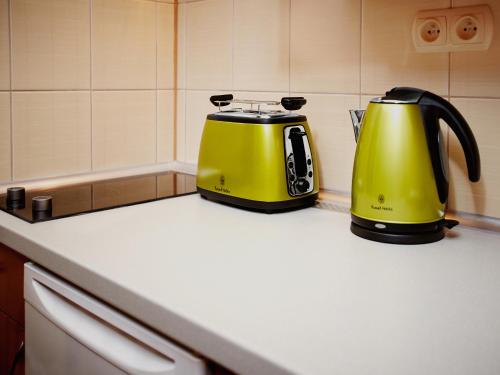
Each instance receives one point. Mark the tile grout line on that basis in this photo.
(157, 10)
(9, 11)
(447, 203)
(175, 53)
(289, 47)
(186, 37)
(242, 90)
(91, 4)
(80, 90)
(233, 38)
(360, 50)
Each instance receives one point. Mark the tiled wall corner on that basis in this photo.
(483, 197)
(165, 35)
(4, 46)
(324, 46)
(209, 35)
(50, 44)
(165, 126)
(5, 148)
(388, 57)
(51, 133)
(262, 45)
(477, 74)
(123, 128)
(123, 44)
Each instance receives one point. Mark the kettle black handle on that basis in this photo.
(435, 107)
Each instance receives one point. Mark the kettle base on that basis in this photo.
(404, 234)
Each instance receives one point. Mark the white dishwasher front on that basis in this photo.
(71, 332)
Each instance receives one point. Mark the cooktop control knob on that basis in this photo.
(42, 203)
(302, 185)
(15, 197)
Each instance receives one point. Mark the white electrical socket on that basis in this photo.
(453, 29)
(430, 31)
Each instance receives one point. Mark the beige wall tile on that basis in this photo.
(181, 126)
(261, 45)
(181, 46)
(165, 126)
(266, 95)
(209, 35)
(165, 46)
(388, 57)
(123, 44)
(50, 44)
(51, 133)
(478, 73)
(5, 136)
(324, 48)
(4, 46)
(330, 123)
(483, 197)
(123, 128)
(198, 107)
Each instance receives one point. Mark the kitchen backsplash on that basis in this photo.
(88, 85)
(338, 54)
(85, 85)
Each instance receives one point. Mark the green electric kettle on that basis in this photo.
(400, 173)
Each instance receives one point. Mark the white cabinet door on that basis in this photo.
(70, 332)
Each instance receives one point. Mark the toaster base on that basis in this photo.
(260, 206)
(404, 234)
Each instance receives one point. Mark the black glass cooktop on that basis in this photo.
(55, 203)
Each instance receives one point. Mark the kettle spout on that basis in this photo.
(357, 119)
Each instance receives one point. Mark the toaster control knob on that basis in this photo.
(302, 185)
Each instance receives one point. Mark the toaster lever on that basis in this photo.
(221, 100)
(293, 103)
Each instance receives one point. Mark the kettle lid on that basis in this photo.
(401, 95)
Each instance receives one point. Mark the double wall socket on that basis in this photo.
(453, 29)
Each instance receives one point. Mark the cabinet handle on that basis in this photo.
(99, 336)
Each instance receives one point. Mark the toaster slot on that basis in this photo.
(298, 158)
(299, 152)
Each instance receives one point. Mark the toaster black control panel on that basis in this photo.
(298, 159)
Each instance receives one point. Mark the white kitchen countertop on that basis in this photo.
(283, 293)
